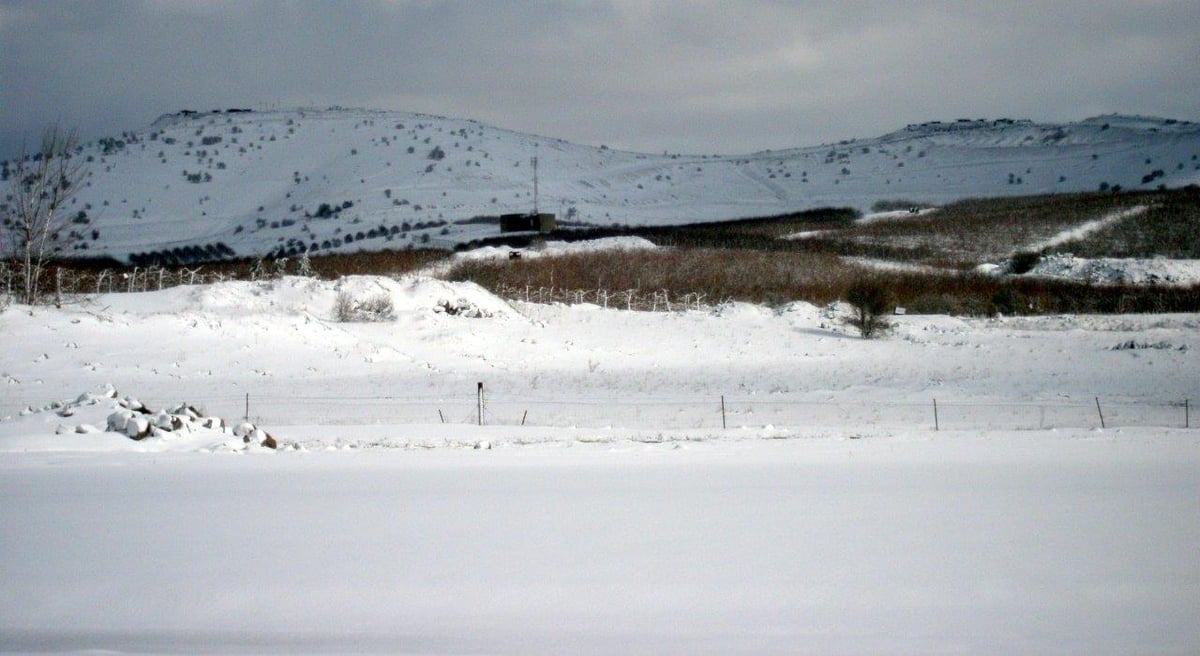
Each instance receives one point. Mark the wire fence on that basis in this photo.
(62, 282)
(65, 282)
(709, 413)
(654, 300)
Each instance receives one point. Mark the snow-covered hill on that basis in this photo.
(209, 184)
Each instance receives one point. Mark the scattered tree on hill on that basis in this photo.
(33, 217)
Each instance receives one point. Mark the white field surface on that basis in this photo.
(828, 517)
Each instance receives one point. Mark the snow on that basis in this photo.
(556, 248)
(965, 544)
(1109, 270)
(1135, 271)
(892, 215)
(1088, 227)
(602, 507)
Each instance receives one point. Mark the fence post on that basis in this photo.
(479, 391)
(723, 426)
(936, 424)
(1100, 412)
(247, 416)
(1187, 418)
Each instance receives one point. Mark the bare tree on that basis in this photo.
(35, 222)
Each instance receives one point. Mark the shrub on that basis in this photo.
(374, 308)
(892, 205)
(1004, 301)
(1023, 262)
(872, 301)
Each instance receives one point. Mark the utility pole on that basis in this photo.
(535, 179)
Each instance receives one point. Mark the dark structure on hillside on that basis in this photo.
(533, 222)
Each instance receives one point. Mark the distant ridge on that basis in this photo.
(235, 182)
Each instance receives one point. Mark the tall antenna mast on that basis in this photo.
(535, 178)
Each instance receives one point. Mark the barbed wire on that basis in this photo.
(627, 299)
(66, 282)
(72, 282)
(692, 412)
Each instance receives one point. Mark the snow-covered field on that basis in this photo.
(969, 543)
(827, 515)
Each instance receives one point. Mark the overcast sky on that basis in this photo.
(718, 76)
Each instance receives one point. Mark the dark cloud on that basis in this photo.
(716, 76)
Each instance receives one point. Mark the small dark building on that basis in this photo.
(542, 222)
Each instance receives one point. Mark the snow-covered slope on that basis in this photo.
(250, 183)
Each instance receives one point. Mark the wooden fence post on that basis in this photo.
(1100, 412)
(723, 426)
(936, 424)
(479, 390)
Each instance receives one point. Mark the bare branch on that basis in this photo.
(35, 222)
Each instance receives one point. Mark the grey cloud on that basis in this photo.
(705, 76)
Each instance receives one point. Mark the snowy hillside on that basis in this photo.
(214, 184)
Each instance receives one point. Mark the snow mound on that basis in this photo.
(311, 297)
(462, 299)
(1156, 271)
(104, 420)
(557, 248)
(892, 215)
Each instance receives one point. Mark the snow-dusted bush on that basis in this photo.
(379, 307)
(304, 266)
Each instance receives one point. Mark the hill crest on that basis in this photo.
(254, 183)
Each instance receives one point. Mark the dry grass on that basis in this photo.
(1169, 228)
(775, 278)
(378, 263)
(715, 274)
(748, 261)
(323, 266)
(973, 231)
